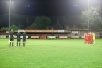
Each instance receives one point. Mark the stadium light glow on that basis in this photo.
(86, 3)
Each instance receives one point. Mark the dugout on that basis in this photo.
(78, 33)
(56, 34)
(52, 34)
(3, 34)
(48, 34)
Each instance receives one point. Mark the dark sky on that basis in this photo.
(46, 7)
(55, 9)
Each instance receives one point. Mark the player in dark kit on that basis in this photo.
(18, 38)
(24, 38)
(11, 38)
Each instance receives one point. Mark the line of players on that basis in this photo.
(89, 38)
(11, 38)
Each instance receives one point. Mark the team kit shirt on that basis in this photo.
(18, 36)
(24, 36)
(93, 36)
(11, 36)
(89, 38)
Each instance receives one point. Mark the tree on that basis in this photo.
(58, 25)
(42, 22)
(33, 26)
(5, 28)
(95, 21)
(14, 27)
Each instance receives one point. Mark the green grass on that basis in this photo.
(70, 53)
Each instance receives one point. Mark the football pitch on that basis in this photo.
(69, 53)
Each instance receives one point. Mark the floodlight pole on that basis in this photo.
(9, 14)
(88, 17)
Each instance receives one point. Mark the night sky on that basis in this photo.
(46, 7)
(55, 9)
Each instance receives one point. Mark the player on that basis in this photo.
(93, 38)
(24, 39)
(88, 36)
(11, 36)
(85, 38)
(18, 38)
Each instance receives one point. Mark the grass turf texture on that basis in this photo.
(70, 53)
